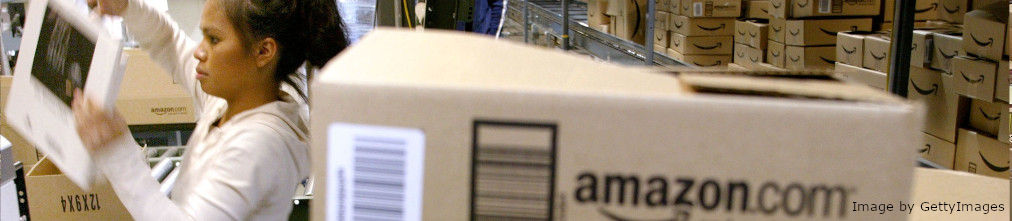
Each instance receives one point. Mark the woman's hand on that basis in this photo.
(95, 126)
(109, 7)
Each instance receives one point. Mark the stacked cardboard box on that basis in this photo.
(662, 26)
(756, 9)
(702, 32)
(926, 14)
(750, 41)
(863, 57)
(625, 19)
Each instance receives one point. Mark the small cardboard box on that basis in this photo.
(777, 32)
(850, 48)
(938, 151)
(663, 5)
(986, 117)
(976, 78)
(824, 8)
(596, 13)
(980, 154)
(748, 56)
(696, 45)
(661, 21)
(984, 34)
(674, 6)
(876, 53)
(810, 58)
(946, 46)
(21, 149)
(701, 60)
(148, 95)
(466, 141)
(980, 4)
(757, 9)
(628, 28)
(751, 33)
(661, 39)
(953, 10)
(936, 90)
(711, 8)
(820, 32)
(924, 10)
(920, 49)
(872, 78)
(702, 26)
(775, 54)
(934, 187)
(51, 196)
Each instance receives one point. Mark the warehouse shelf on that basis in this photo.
(548, 15)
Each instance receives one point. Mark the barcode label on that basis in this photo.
(926, 50)
(825, 6)
(374, 172)
(514, 171)
(697, 9)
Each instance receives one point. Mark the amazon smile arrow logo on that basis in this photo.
(972, 81)
(988, 117)
(934, 88)
(991, 165)
(711, 29)
(981, 43)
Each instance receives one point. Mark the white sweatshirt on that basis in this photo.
(244, 169)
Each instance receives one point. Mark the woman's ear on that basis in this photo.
(265, 52)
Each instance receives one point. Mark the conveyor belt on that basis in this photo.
(548, 14)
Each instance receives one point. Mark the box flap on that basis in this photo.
(44, 167)
(447, 59)
(785, 87)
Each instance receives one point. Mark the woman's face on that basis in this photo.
(225, 67)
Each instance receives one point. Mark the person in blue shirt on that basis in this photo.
(487, 14)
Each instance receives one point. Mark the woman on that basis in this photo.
(248, 151)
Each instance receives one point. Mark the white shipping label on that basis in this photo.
(374, 172)
(825, 6)
(697, 9)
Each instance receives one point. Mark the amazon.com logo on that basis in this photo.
(168, 110)
(711, 195)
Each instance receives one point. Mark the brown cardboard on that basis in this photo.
(596, 10)
(984, 33)
(711, 45)
(752, 33)
(1008, 37)
(701, 60)
(936, 90)
(809, 58)
(871, 78)
(663, 5)
(1001, 92)
(21, 149)
(777, 32)
(674, 6)
(975, 78)
(977, 153)
(148, 95)
(757, 9)
(985, 117)
(924, 10)
(920, 49)
(661, 21)
(850, 48)
(824, 8)
(876, 53)
(576, 100)
(51, 196)
(822, 31)
(945, 46)
(953, 10)
(979, 4)
(711, 8)
(626, 28)
(702, 26)
(775, 54)
(938, 151)
(748, 56)
(932, 187)
(662, 39)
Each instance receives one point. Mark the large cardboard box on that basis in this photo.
(148, 95)
(850, 48)
(751, 33)
(757, 9)
(871, 78)
(702, 26)
(810, 58)
(819, 32)
(711, 8)
(775, 54)
(984, 33)
(631, 27)
(747, 56)
(711, 45)
(980, 154)
(946, 46)
(986, 117)
(953, 10)
(824, 8)
(981, 4)
(777, 32)
(701, 60)
(51, 196)
(977, 197)
(936, 90)
(938, 151)
(876, 53)
(596, 10)
(977, 78)
(923, 10)
(547, 135)
(21, 149)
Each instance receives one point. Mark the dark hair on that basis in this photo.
(305, 30)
